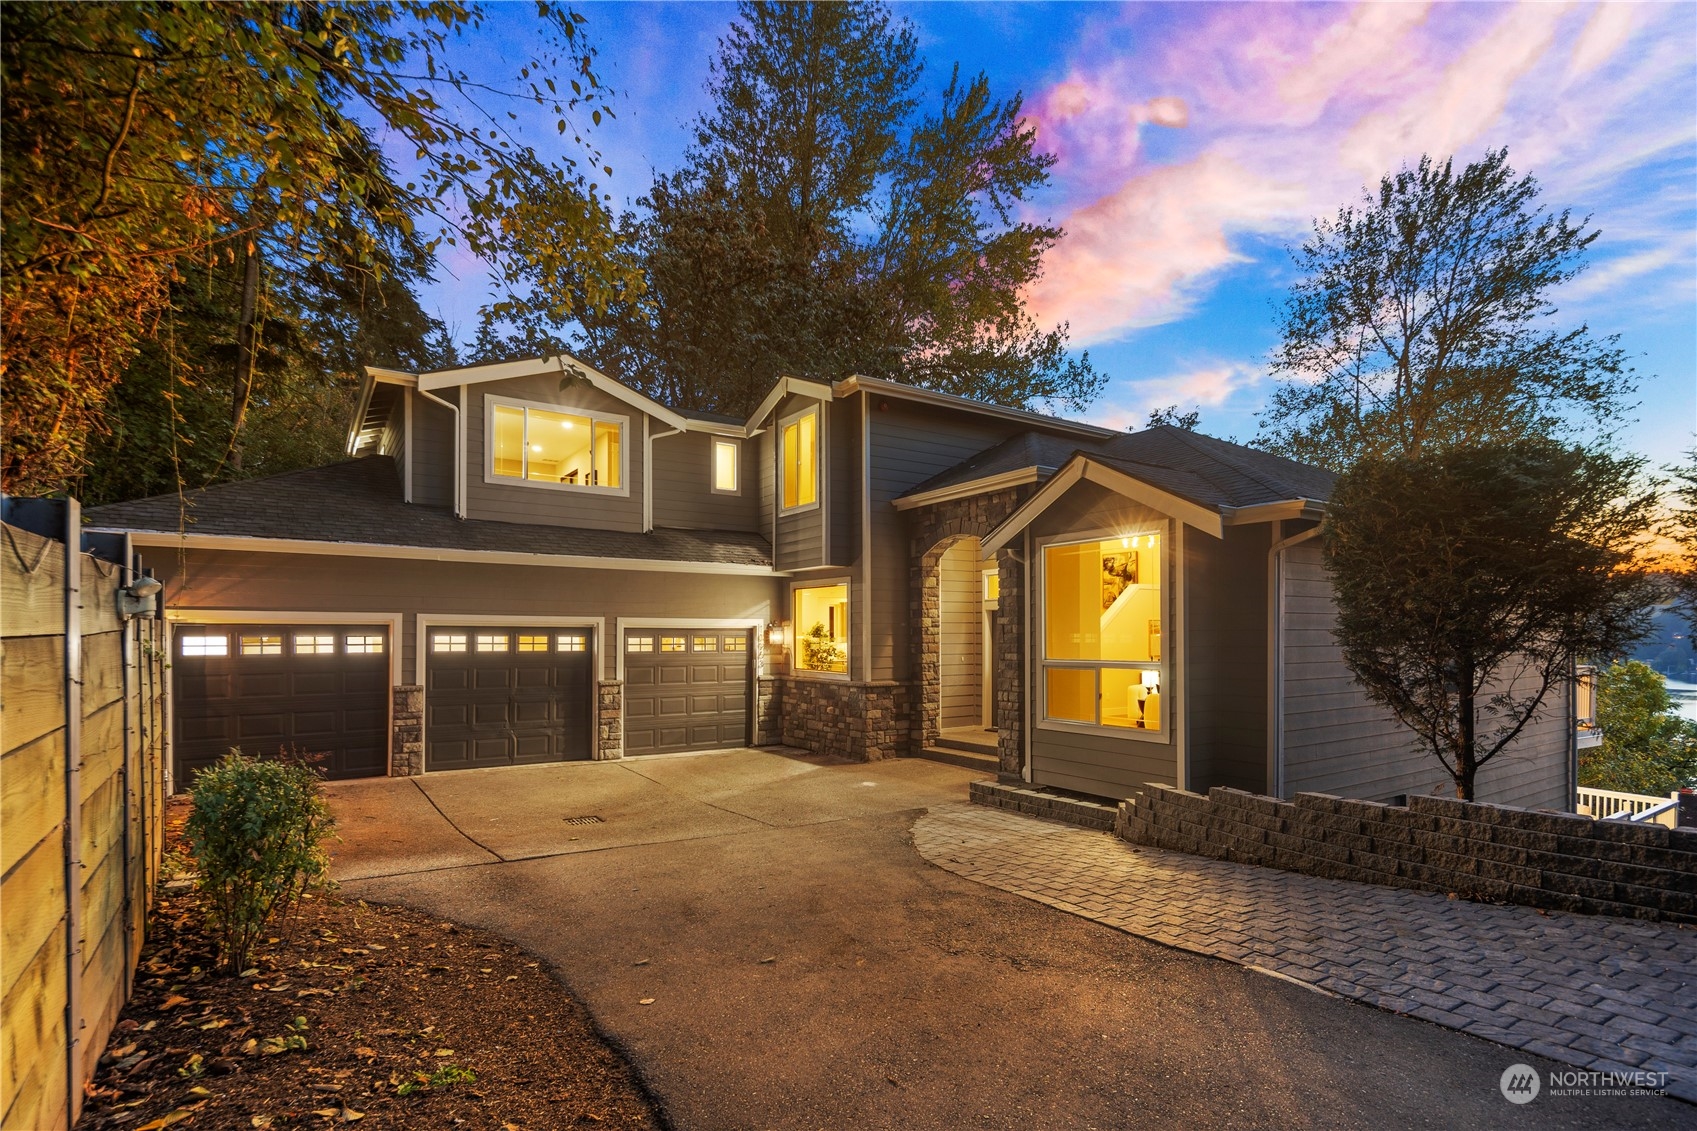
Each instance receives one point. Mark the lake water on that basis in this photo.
(1684, 697)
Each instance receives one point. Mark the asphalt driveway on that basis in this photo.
(808, 969)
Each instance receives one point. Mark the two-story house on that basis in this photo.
(528, 561)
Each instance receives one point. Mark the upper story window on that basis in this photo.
(552, 448)
(1102, 605)
(725, 470)
(798, 460)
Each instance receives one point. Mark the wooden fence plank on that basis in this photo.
(32, 796)
(100, 584)
(102, 746)
(32, 1040)
(31, 604)
(34, 896)
(102, 670)
(32, 679)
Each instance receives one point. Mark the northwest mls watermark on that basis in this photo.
(1521, 1084)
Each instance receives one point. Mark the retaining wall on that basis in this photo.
(1493, 852)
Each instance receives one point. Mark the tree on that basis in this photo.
(1470, 580)
(1681, 529)
(823, 225)
(146, 140)
(1423, 318)
(1173, 417)
(1647, 747)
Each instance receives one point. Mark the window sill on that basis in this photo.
(543, 484)
(1133, 734)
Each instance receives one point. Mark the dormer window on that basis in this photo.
(725, 470)
(551, 447)
(798, 460)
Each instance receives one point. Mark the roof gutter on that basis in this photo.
(1015, 478)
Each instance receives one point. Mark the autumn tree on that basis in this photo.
(146, 141)
(829, 221)
(1469, 581)
(1425, 317)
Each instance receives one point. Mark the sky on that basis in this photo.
(1196, 143)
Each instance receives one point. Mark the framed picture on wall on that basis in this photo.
(1119, 572)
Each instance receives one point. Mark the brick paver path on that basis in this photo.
(1598, 993)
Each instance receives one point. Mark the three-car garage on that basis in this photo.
(495, 694)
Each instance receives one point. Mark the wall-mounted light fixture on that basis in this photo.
(775, 635)
(140, 598)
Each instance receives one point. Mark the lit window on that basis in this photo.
(262, 645)
(205, 645)
(799, 460)
(539, 445)
(532, 643)
(571, 642)
(725, 466)
(706, 643)
(639, 644)
(492, 642)
(992, 585)
(1102, 608)
(311, 644)
(736, 643)
(448, 642)
(821, 628)
(1585, 698)
(365, 644)
(671, 644)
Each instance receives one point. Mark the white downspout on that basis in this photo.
(1276, 660)
(459, 450)
(648, 471)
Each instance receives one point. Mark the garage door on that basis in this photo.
(319, 690)
(686, 689)
(505, 696)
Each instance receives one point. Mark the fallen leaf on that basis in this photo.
(327, 1111)
(365, 1052)
(261, 1121)
(640, 962)
(173, 1001)
(199, 1091)
(768, 960)
(444, 1052)
(646, 1001)
(164, 1121)
(349, 1115)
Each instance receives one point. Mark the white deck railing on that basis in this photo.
(1605, 803)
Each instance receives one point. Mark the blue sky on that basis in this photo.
(1197, 142)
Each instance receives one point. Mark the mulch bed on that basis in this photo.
(355, 1012)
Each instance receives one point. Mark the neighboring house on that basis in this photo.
(528, 561)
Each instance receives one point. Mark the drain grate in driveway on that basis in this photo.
(583, 820)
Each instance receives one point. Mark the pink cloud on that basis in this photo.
(1292, 109)
(1207, 386)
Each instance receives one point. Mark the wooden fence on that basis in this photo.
(82, 742)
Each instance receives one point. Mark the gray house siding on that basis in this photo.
(228, 581)
(909, 444)
(514, 502)
(432, 453)
(684, 498)
(1226, 642)
(800, 534)
(1101, 764)
(1336, 740)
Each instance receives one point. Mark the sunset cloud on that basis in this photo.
(1290, 110)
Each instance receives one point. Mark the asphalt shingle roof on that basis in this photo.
(1201, 469)
(359, 501)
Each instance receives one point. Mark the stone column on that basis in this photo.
(767, 729)
(609, 720)
(406, 738)
(1011, 692)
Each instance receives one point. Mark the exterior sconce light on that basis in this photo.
(140, 598)
(775, 635)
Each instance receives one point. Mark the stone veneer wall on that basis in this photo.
(609, 720)
(406, 733)
(934, 529)
(1012, 696)
(1494, 852)
(866, 722)
(767, 723)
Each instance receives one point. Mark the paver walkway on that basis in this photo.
(1603, 994)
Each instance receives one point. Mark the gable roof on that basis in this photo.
(356, 507)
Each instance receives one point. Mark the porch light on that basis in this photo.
(775, 635)
(139, 597)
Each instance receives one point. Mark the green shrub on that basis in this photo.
(257, 833)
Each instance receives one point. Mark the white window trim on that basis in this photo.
(713, 467)
(792, 643)
(818, 459)
(491, 402)
(1039, 641)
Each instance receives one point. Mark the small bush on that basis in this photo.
(257, 833)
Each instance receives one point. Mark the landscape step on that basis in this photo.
(968, 759)
(970, 745)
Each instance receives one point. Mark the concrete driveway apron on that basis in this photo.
(808, 969)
